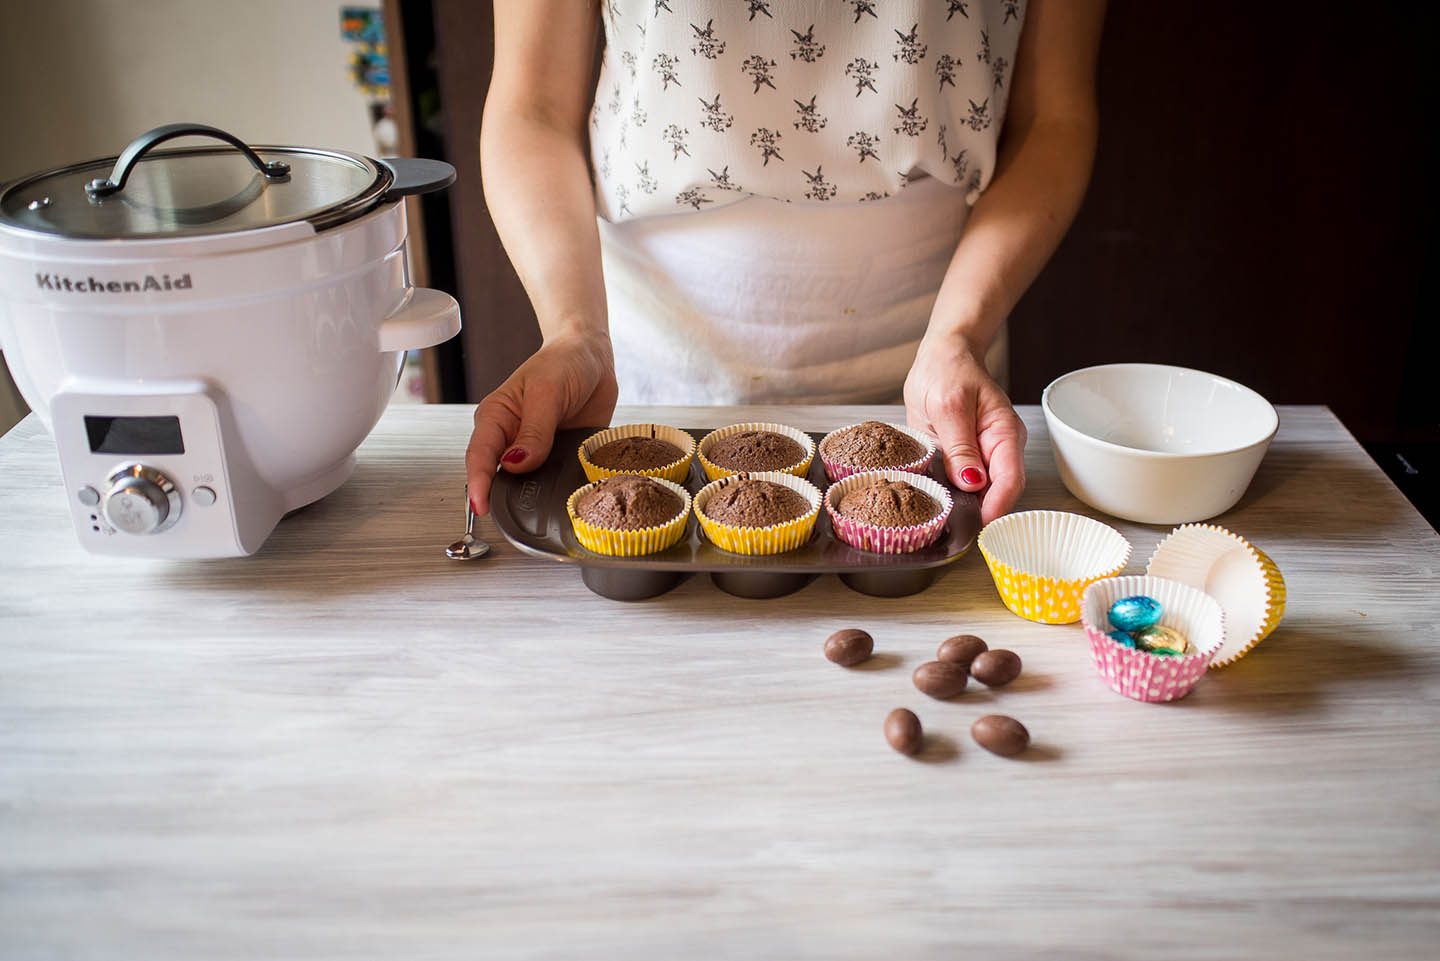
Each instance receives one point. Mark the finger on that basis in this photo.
(959, 443)
(496, 423)
(1004, 443)
(539, 416)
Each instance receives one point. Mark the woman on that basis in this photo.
(792, 201)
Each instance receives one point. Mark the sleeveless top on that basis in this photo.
(702, 103)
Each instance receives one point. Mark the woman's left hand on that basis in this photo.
(950, 394)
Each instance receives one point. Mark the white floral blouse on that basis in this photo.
(704, 102)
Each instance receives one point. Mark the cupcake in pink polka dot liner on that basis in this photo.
(1041, 561)
(888, 511)
(873, 445)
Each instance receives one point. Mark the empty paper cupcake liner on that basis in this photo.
(836, 470)
(676, 471)
(646, 540)
(887, 540)
(1041, 561)
(715, 471)
(1240, 576)
(1137, 673)
(775, 539)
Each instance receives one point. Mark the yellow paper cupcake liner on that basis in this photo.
(775, 539)
(636, 543)
(1254, 600)
(1080, 541)
(715, 471)
(676, 471)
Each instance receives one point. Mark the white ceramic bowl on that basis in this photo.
(1156, 444)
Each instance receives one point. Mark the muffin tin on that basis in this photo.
(529, 509)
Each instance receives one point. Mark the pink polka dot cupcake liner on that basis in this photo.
(1137, 673)
(838, 471)
(888, 540)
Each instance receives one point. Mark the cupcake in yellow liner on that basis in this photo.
(800, 467)
(1135, 672)
(1041, 561)
(775, 538)
(1246, 583)
(871, 445)
(677, 470)
(605, 537)
(888, 538)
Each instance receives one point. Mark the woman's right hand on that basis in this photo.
(568, 382)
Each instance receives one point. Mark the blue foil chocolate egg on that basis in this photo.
(1121, 638)
(1133, 613)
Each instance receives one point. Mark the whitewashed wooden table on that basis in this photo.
(348, 746)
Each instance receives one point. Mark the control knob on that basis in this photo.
(141, 500)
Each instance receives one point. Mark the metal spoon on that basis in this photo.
(469, 546)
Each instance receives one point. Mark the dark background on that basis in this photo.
(1256, 211)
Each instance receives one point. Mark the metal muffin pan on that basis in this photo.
(529, 509)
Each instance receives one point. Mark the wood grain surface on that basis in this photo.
(348, 746)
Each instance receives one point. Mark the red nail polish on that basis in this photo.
(971, 476)
(513, 456)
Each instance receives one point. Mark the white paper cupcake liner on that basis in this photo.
(677, 471)
(715, 471)
(1041, 561)
(836, 470)
(1241, 577)
(775, 539)
(1140, 674)
(888, 540)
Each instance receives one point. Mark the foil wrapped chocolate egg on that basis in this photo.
(1121, 638)
(1133, 613)
(1159, 639)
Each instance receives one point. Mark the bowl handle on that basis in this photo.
(427, 318)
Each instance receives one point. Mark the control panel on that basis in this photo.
(144, 469)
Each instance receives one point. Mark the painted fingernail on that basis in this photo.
(514, 455)
(971, 476)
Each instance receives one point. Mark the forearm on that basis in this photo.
(537, 186)
(1014, 227)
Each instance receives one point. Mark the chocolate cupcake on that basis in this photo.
(752, 448)
(889, 511)
(627, 515)
(873, 445)
(765, 513)
(649, 450)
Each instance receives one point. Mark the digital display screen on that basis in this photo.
(134, 435)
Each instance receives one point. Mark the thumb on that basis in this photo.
(538, 419)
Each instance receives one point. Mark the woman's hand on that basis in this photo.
(951, 395)
(568, 382)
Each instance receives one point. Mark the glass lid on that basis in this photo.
(147, 193)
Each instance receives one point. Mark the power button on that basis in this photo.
(203, 496)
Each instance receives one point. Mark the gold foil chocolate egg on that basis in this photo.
(1159, 639)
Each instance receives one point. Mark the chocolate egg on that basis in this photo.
(902, 730)
(996, 668)
(1159, 639)
(1000, 735)
(961, 649)
(1122, 638)
(1133, 613)
(942, 680)
(849, 647)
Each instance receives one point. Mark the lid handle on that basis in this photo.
(416, 175)
(97, 188)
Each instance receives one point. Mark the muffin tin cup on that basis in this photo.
(636, 543)
(676, 471)
(714, 471)
(887, 540)
(1137, 673)
(774, 539)
(838, 471)
(1240, 576)
(1041, 561)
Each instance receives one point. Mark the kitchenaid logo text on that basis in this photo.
(93, 285)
